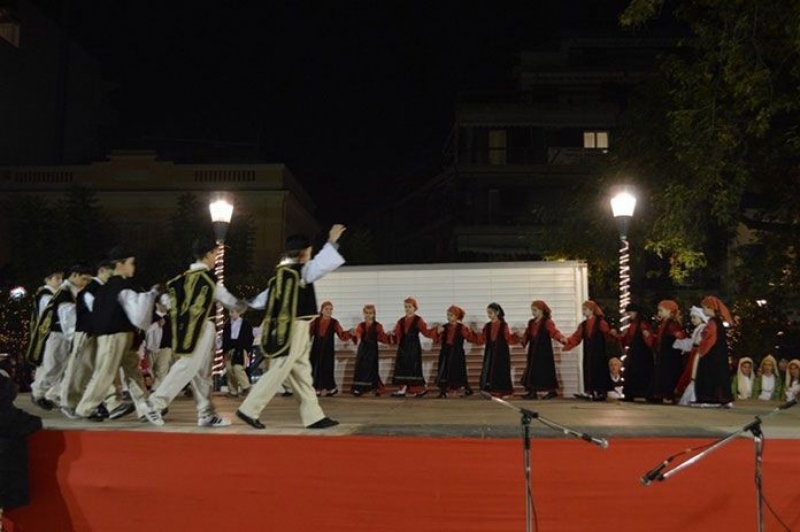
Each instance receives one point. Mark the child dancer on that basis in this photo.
(367, 335)
(685, 388)
(237, 340)
(540, 372)
(323, 350)
(713, 382)
(669, 364)
(452, 374)
(742, 385)
(638, 339)
(408, 362)
(617, 380)
(792, 388)
(496, 369)
(41, 319)
(767, 385)
(593, 332)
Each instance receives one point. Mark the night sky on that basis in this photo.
(350, 95)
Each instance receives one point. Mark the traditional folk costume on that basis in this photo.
(617, 390)
(83, 356)
(408, 361)
(237, 340)
(452, 374)
(42, 316)
(366, 376)
(50, 347)
(291, 304)
(193, 296)
(323, 351)
(540, 371)
(158, 342)
(768, 387)
(713, 382)
(742, 383)
(669, 362)
(685, 389)
(791, 387)
(118, 311)
(496, 367)
(639, 362)
(593, 332)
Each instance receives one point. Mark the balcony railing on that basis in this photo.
(527, 156)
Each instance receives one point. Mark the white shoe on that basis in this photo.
(213, 421)
(69, 412)
(154, 417)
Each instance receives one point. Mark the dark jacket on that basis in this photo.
(15, 426)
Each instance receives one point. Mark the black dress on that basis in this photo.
(540, 372)
(638, 363)
(496, 369)
(323, 358)
(596, 378)
(365, 375)
(669, 361)
(452, 360)
(712, 384)
(408, 361)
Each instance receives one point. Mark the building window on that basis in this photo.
(498, 146)
(9, 28)
(595, 139)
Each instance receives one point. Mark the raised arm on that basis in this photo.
(328, 258)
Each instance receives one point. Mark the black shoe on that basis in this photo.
(323, 423)
(256, 424)
(121, 411)
(98, 415)
(530, 396)
(442, 395)
(43, 403)
(550, 395)
(422, 393)
(468, 391)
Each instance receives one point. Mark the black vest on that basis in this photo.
(84, 315)
(64, 295)
(107, 314)
(192, 297)
(166, 333)
(288, 298)
(40, 326)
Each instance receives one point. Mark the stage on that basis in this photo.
(406, 464)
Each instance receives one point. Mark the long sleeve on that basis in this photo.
(327, 260)
(708, 338)
(424, 330)
(684, 344)
(227, 299)
(260, 301)
(68, 317)
(152, 338)
(574, 339)
(43, 301)
(138, 306)
(553, 332)
(341, 333)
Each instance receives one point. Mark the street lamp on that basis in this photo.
(622, 205)
(221, 211)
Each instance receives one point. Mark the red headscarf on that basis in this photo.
(457, 311)
(369, 307)
(325, 304)
(411, 301)
(719, 307)
(594, 307)
(541, 305)
(672, 307)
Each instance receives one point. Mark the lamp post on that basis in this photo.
(622, 205)
(221, 211)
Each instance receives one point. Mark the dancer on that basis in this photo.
(685, 388)
(118, 311)
(452, 374)
(40, 327)
(713, 383)
(82, 357)
(323, 349)
(367, 335)
(237, 340)
(637, 343)
(291, 304)
(540, 371)
(669, 363)
(496, 368)
(158, 341)
(193, 295)
(58, 318)
(408, 361)
(617, 380)
(593, 332)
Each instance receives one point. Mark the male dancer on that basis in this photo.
(193, 295)
(237, 339)
(291, 305)
(39, 328)
(81, 364)
(56, 325)
(118, 310)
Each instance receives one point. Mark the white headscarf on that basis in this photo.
(744, 382)
(697, 311)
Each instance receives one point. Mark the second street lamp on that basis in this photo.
(622, 205)
(221, 212)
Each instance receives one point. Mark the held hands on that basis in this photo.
(335, 233)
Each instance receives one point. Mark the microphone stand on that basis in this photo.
(525, 421)
(753, 427)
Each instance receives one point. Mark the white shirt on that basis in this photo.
(67, 314)
(236, 326)
(767, 387)
(327, 260)
(221, 294)
(89, 298)
(152, 338)
(45, 299)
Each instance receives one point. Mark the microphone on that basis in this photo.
(600, 442)
(788, 404)
(654, 474)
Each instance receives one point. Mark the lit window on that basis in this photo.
(497, 146)
(595, 139)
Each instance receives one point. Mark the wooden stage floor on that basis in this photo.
(457, 417)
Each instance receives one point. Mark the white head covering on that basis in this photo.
(164, 300)
(697, 311)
